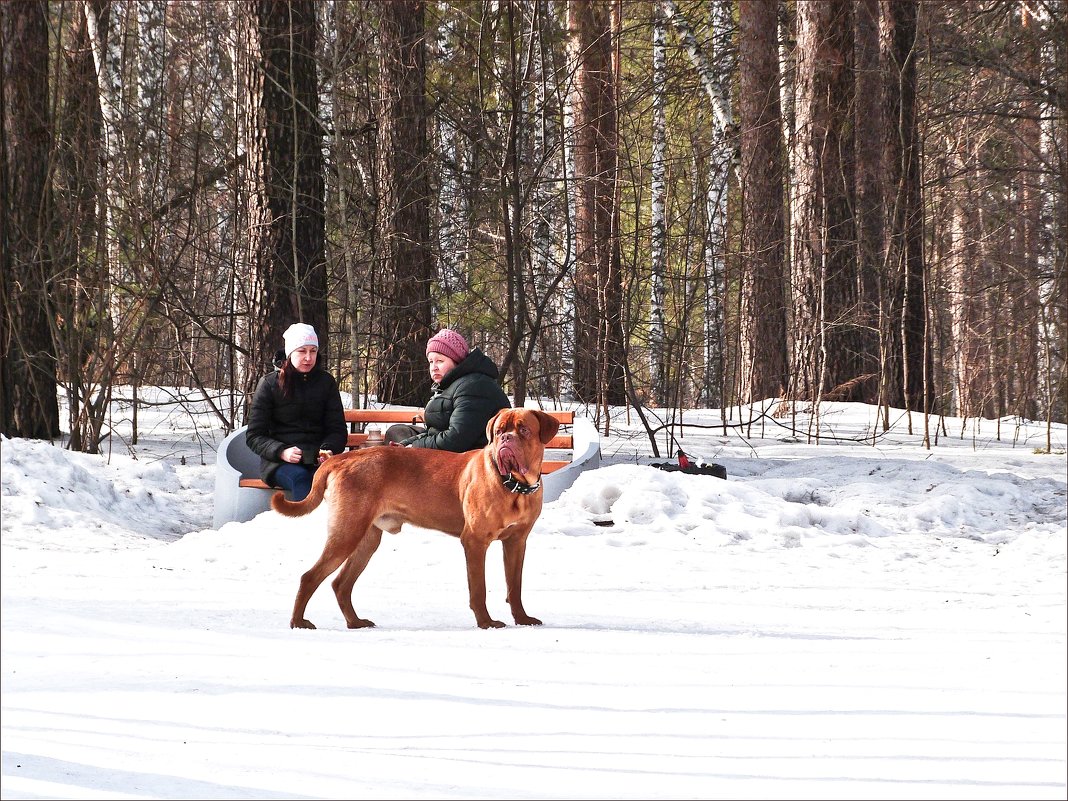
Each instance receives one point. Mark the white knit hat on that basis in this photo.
(299, 335)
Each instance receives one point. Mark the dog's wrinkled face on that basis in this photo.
(519, 437)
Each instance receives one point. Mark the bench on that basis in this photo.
(240, 495)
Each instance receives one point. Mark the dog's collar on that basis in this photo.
(515, 485)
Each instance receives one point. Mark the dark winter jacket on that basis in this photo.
(312, 418)
(461, 405)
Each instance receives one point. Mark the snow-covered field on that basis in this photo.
(841, 620)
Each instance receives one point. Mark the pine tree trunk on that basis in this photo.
(598, 290)
(1026, 301)
(826, 347)
(80, 288)
(968, 282)
(904, 322)
(28, 403)
(404, 205)
(763, 317)
(285, 171)
(869, 125)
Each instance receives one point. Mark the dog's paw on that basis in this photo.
(527, 620)
(491, 624)
(361, 623)
(301, 624)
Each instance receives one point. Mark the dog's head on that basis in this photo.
(518, 438)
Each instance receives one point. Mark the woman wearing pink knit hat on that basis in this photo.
(465, 395)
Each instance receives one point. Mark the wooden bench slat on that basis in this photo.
(565, 418)
(416, 415)
(383, 415)
(560, 441)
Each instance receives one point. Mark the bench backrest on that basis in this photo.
(359, 419)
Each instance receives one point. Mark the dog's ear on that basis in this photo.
(549, 425)
(490, 424)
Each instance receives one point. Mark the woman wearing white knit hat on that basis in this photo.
(296, 419)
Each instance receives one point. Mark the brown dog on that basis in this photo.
(479, 496)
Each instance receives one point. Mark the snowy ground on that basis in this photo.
(842, 620)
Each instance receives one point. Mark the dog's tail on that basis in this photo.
(315, 496)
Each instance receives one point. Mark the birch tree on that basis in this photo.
(551, 238)
(657, 197)
(107, 76)
(721, 107)
(715, 278)
(107, 27)
(719, 167)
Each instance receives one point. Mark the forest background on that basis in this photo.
(666, 204)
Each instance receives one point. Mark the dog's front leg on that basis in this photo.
(475, 547)
(515, 549)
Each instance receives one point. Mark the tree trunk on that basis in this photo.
(721, 107)
(80, 288)
(968, 285)
(515, 123)
(285, 170)
(151, 60)
(28, 403)
(342, 159)
(1026, 302)
(721, 167)
(869, 124)
(905, 320)
(1054, 258)
(763, 318)
(598, 290)
(404, 205)
(549, 243)
(657, 221)
(826, 348)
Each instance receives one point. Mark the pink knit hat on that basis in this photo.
(448, 343)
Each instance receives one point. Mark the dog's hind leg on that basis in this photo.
(515, 550)
(351, 571)
(329, 562)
